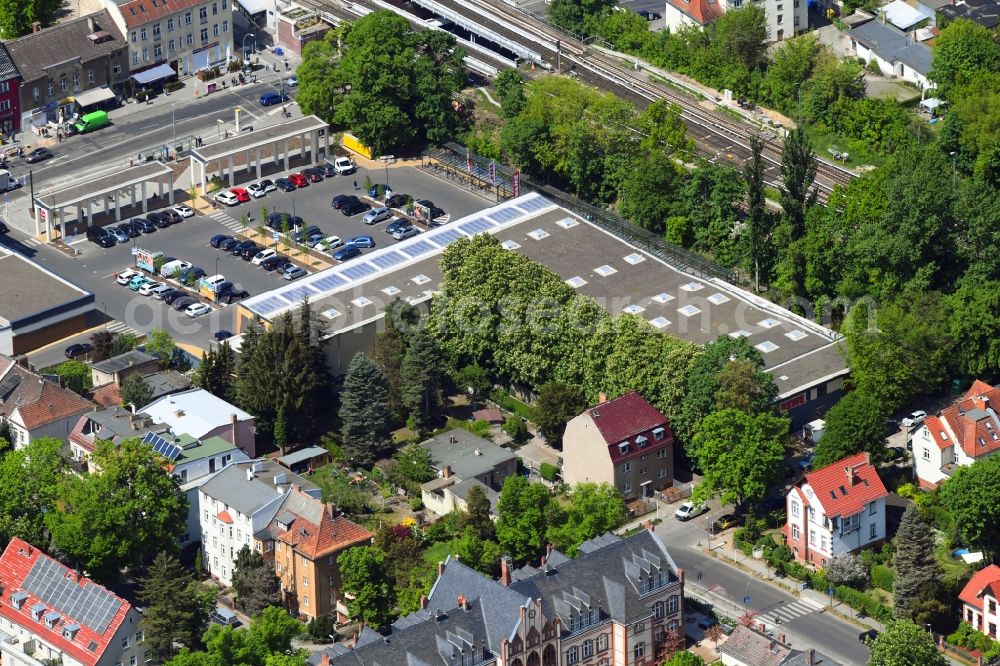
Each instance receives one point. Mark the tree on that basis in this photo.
(267, 642)
(423, 375)
(510, 90)
(161, 345)
(254, 582)
(742, 35)
(389, 349)
(482, 555)
(123, 342)
(792, 64)
(905, 644)
(364, 411)
(847, 569)
(523, 518)
(477, 515)
(798, 171)
(75, 376)
(16, 17)
(135, 391)
(365, 580)
(760, 222)
(592, 511)
(473, 377)
(855, 424)
(577, 16)
(120, 515)
(739, 454)
(914, 563)
(103, 342)
(176, 607)
(971, 495)
(662, 129)
(217, 371)
(974, 318)
(741, 387)
(557, 403)
(29, 488)
(684, 659)
(963, 49)
(648, 196)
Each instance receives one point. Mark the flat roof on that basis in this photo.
(98, 187)
(258, 138)
(303, 455)
(620, 276)
(31, 290)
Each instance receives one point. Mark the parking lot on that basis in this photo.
(189, 240)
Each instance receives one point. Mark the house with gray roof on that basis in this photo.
(984, 12)
(463, 461)
(748, 647)
(117, 368)
(619, 601)
(895, 52)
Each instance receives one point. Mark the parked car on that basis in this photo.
(327, 169)
(377, 190)
(272, 262)
(225, 617)
(689, 510)
(299, 180)
(228, 245)
(284, 185)
(147, 288)
(237, 249)
(78, 350)
(650, 16)
(126, 276)
(341, 199)
(312, 239)
(232, 295)
(272, 98)
(222, 334)
(184, 211)
(164, 292)
(37, 155)
(103, 239)
(397, 201)
(137, 281)
(362, 241)
(218, 239)
(302, 234)
(241, 194)
(161, 220)
(124, 231)
(261, 256)
(314, 174)
(347, 252)
(277, 220)
(172, 296)
(226, 197)
(191, 274)
(175, 217)
(292, 81)
(328, 243)
(405, 232)
(344, 166)
(376, 215)
(282, 265)
(255, 190)
(293, 272)
(143, 225)
(353, 208)
(707, 622)
(866, 636)
(244, 248)
(395, 225)
(180, 304)
(725, 521)
(197, 310)
(267, 185)
(914, 419)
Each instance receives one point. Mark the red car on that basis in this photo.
(241, 194)
(299, 179)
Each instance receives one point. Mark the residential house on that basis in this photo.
(464, 461)
(679, 14)
(747, 646)
(170, 37)
(160, 383)
(307, 537)
(239, 502)
(967, 431)
(619, 603)
(836, 510)
(904, 16)
(73, 64)
(50, 613)
(979, 601)
(33, 407)
(785, 18)
(984, 12)
(117, 368)
(625, 442)
(893, 51)
(200, 414)
(10, 94)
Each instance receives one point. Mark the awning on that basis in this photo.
(95, 96)
(153, 74)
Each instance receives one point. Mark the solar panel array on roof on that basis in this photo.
(417, 249)
(446, 237)
(358, 271)
(329, 282)
(506, 215)
(269, 305)
(476, 226)
(165, 448)
(89, 604)
(388, 259)
(534, 204)
(8, 385)
(296, 294)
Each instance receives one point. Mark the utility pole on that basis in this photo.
(558, 58)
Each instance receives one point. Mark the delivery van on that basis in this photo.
(92, 121)
(7, 181)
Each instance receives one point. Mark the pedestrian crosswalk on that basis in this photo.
(788, 612)
(223, 218)
(31, 241)
(118, 327)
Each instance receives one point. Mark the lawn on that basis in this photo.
(439, 552)
(858, 155)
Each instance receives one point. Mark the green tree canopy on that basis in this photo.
(974, 320)
(255, 582)
(365, 417)
(523, 518)
(963, 49)
(176, 607)
(557, 403)
(971, 495)
(905, 644)
(389, 349)
(30, 479)
(480, 554)
(424, 375)
(135, 390)
(592, 511)
(217, 371)
(742, 35)
(914, 563)
(75, 376)
(267, 642)
(855, 424)
(16, 17)
(161, 345)
(364, 574)
(477, 515)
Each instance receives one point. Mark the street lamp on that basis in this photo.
(244, 45)
(173, 126)
(216, 265)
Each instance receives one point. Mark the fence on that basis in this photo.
(675, 493)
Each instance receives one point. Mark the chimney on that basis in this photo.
(36, 26)
(440, 568)
(772, 640)
(602, 397)
(446, 472)
(849, 470)
(810, 656)
(781, 638)
(462, 602)
(505, 570)
(91, 25)
(250, 472)
(648, 525)
(680, 575)
(232, 422)
(423, 602)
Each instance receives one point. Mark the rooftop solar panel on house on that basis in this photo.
(58, 587)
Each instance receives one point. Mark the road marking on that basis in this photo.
(788, 612)
(119, 327)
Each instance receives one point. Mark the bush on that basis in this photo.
(863, 603)
(515, 429)
(882, 577)
(966, 636)
(438, 532)
(416, 504)
(321, 628)
(234, 66)
(847, 569)
(548, 471)
(173, 86)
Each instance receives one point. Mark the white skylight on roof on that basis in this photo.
(663, 298)
(795, 335)
(692, 286)
(605, 270)
(330, 314)
(390, 290)
(361, 301)
(635, 258)
(688, 310)
(510, 245)
(567, 223)
(634, 309)
(538, 234)
(717, 299)
(766, 346)
(660, 322)
(768, 323)
(740, 334)
(576, 282)
(420, 279)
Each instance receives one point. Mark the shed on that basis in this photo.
(303, 459)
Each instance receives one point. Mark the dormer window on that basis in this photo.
(659, 433)
(70, 630)
(51, 618)
(17, 599)
(641, 440)
(623, 448)
(944, 436)
(36, 612)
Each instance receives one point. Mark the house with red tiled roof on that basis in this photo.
(683, 13)
(967, 431)
(32, 406)
(836, 510)
(979, 600)
(50, 613)
(625, 442)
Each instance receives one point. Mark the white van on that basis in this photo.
(212, 283)
(7, 181)
(172, 268)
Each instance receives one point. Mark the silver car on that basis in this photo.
(376, 215)
(293, 272)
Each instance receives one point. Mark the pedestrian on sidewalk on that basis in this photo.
(699, 575)
(355, 186)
